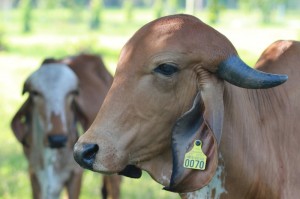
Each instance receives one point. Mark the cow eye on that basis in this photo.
(166, 69)
(34, 93)
(74, 92)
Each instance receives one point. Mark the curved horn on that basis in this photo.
(236, 72)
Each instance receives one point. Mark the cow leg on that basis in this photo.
(104, 188)
(111, 187)
(35, 187)
(74, 185)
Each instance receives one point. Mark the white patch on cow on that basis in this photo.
(165, 178)
(54, 82)
(47, 176)
(53, 175)
(214, 189)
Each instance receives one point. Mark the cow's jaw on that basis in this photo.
(159, 168)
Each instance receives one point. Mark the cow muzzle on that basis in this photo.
(85, 154)
(57, 141)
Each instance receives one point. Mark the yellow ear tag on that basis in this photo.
(195, 158)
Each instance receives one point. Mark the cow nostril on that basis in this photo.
(57, 141)
(90, 152)
(85, 154)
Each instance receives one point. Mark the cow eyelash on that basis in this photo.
(166, 69)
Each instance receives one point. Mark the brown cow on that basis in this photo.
(61, 94)
(178, 81)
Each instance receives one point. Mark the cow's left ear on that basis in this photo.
(21, 122)
(202, 122)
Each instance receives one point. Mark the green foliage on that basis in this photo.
(48, 4)
(96, 8)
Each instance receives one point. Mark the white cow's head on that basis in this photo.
(51, 109)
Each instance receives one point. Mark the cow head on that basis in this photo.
(51, 110)
(167, 92)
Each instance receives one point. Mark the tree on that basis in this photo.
(128, 9)
(26, 10)
(214, 8)
(2, 42)
(266, 7)
(96, 8)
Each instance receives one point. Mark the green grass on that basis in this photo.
(54, 34)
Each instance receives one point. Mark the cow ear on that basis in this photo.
(94, 82)
(202, 122)
(21, 122)
(80, 115)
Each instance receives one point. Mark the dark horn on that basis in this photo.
(236, 72)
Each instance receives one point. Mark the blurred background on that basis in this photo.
(31, 30)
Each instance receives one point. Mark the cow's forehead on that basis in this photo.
(184, 37)
(165, 32)
(53, 78)
(172, 24)
(178, 34)
(156, 38)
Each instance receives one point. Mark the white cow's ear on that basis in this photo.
(80, 115)
(203, 122)
(21, 122)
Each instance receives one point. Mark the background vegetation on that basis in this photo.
(31, 30)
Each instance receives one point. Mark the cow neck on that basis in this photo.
(248, 142)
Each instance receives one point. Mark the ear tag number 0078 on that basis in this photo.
(195, 158)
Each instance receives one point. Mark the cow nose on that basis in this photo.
(57, 141)
(85, 154)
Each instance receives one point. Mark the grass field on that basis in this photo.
(55, 35)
